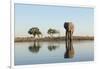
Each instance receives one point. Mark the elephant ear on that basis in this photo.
(66, 25)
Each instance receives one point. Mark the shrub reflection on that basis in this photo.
(35, 47)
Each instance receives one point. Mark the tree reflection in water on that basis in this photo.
(35, 47)
(52, 46)
(69, 50)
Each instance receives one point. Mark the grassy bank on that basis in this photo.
(30, 39)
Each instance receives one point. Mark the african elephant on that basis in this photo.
(69, 27)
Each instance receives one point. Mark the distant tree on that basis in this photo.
(39, 33)
(34, 31)
(52, 31)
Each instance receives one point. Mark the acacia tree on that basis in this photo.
(52, 31)
(34, 31)
(39, 33)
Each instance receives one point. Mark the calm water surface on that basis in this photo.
(52, 52)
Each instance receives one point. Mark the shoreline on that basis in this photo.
(45, 39)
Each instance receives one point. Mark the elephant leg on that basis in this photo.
(69, 40)
(70, 37)
(66, 39)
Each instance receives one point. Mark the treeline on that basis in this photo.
(30, 39)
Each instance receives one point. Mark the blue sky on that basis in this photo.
(45, 17)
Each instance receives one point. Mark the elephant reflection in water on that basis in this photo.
(69, 53)
(69, 27)
(35, 47)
